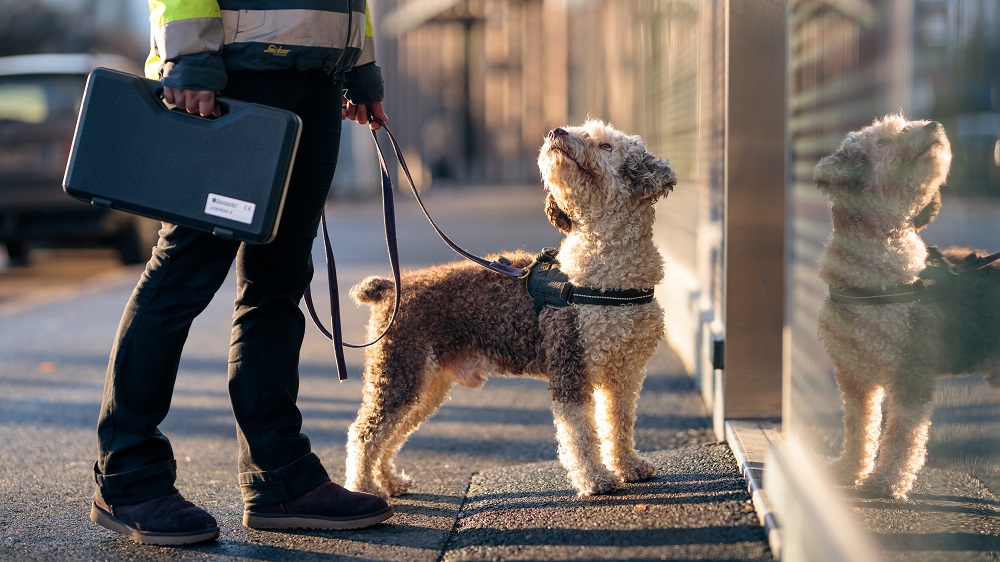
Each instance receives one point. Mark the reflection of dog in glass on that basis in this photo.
(898, 312)
(459, 322)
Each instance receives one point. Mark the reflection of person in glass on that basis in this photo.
(302, 58)
(899, 312)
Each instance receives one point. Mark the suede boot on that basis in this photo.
(167, 520)
(328, 506)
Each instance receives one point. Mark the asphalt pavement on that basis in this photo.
(487, 483)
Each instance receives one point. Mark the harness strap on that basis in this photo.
(893, 294)
(609, 297)
(936, 278)
(549, 286)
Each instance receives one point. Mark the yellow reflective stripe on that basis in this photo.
(153, 65)
(283, 28)
(162, 12)
(369, 30)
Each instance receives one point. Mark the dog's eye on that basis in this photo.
(606, 146)
(882, 142)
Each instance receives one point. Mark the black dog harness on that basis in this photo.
(936, 279)
(549, 286)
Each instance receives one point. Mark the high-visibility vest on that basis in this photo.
(193, 42)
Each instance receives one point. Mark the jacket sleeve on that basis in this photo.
(364, 82)
(186, 39)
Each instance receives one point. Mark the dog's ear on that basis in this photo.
(556, 216)
(649, 176)
(929, 212)
(844, 171)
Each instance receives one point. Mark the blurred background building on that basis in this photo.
(743, 98)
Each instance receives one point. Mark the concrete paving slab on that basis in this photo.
(696, 507)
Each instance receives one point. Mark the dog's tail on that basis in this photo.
(372, 290)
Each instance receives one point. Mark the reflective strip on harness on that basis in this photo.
(894, 294)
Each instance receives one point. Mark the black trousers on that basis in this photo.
(135, 461)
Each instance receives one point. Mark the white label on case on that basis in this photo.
(229, 208)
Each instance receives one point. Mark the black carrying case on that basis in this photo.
(226, 175)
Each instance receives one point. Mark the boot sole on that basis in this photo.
(112, 523)
(265, 521)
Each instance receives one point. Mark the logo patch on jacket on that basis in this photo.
(277, 50)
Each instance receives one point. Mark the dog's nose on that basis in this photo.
(557, 132)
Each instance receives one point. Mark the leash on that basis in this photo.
(501, 265)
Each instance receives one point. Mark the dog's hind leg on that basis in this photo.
(391, 390)
(431, 397)
(862, 407)
(615, 403)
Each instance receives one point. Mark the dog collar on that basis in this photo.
(549, 286)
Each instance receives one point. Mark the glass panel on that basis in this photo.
(852, 62)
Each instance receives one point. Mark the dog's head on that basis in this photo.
(594, 172)
(892, 167)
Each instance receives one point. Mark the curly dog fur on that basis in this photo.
(884, 185)
(459, 322)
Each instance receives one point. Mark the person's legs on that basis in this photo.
(135, 462)
(284, 485)
(135, 465)
(276, 462)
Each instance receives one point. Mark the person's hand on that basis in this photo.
(201, 102)
(359, 113)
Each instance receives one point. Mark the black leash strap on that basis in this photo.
(501, 266)
(975, 264)
(335, 334)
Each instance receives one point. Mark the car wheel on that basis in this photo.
(17, 252)
(136, 241)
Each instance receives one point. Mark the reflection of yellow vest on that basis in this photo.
(262, 39)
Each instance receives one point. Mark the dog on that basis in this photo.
(459, 322)
(898, 315)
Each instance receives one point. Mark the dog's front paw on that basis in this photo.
(845, 472)
(367, 486)
(877, 486)
(636, 470)
(397, 484)
(596, 483)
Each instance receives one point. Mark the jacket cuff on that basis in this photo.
(364, 84)
(197, 71)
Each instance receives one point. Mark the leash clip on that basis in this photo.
(504, 266)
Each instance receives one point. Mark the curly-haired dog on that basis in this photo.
(897, 314)
(459, 322)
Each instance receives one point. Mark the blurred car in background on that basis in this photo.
(40, 97)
